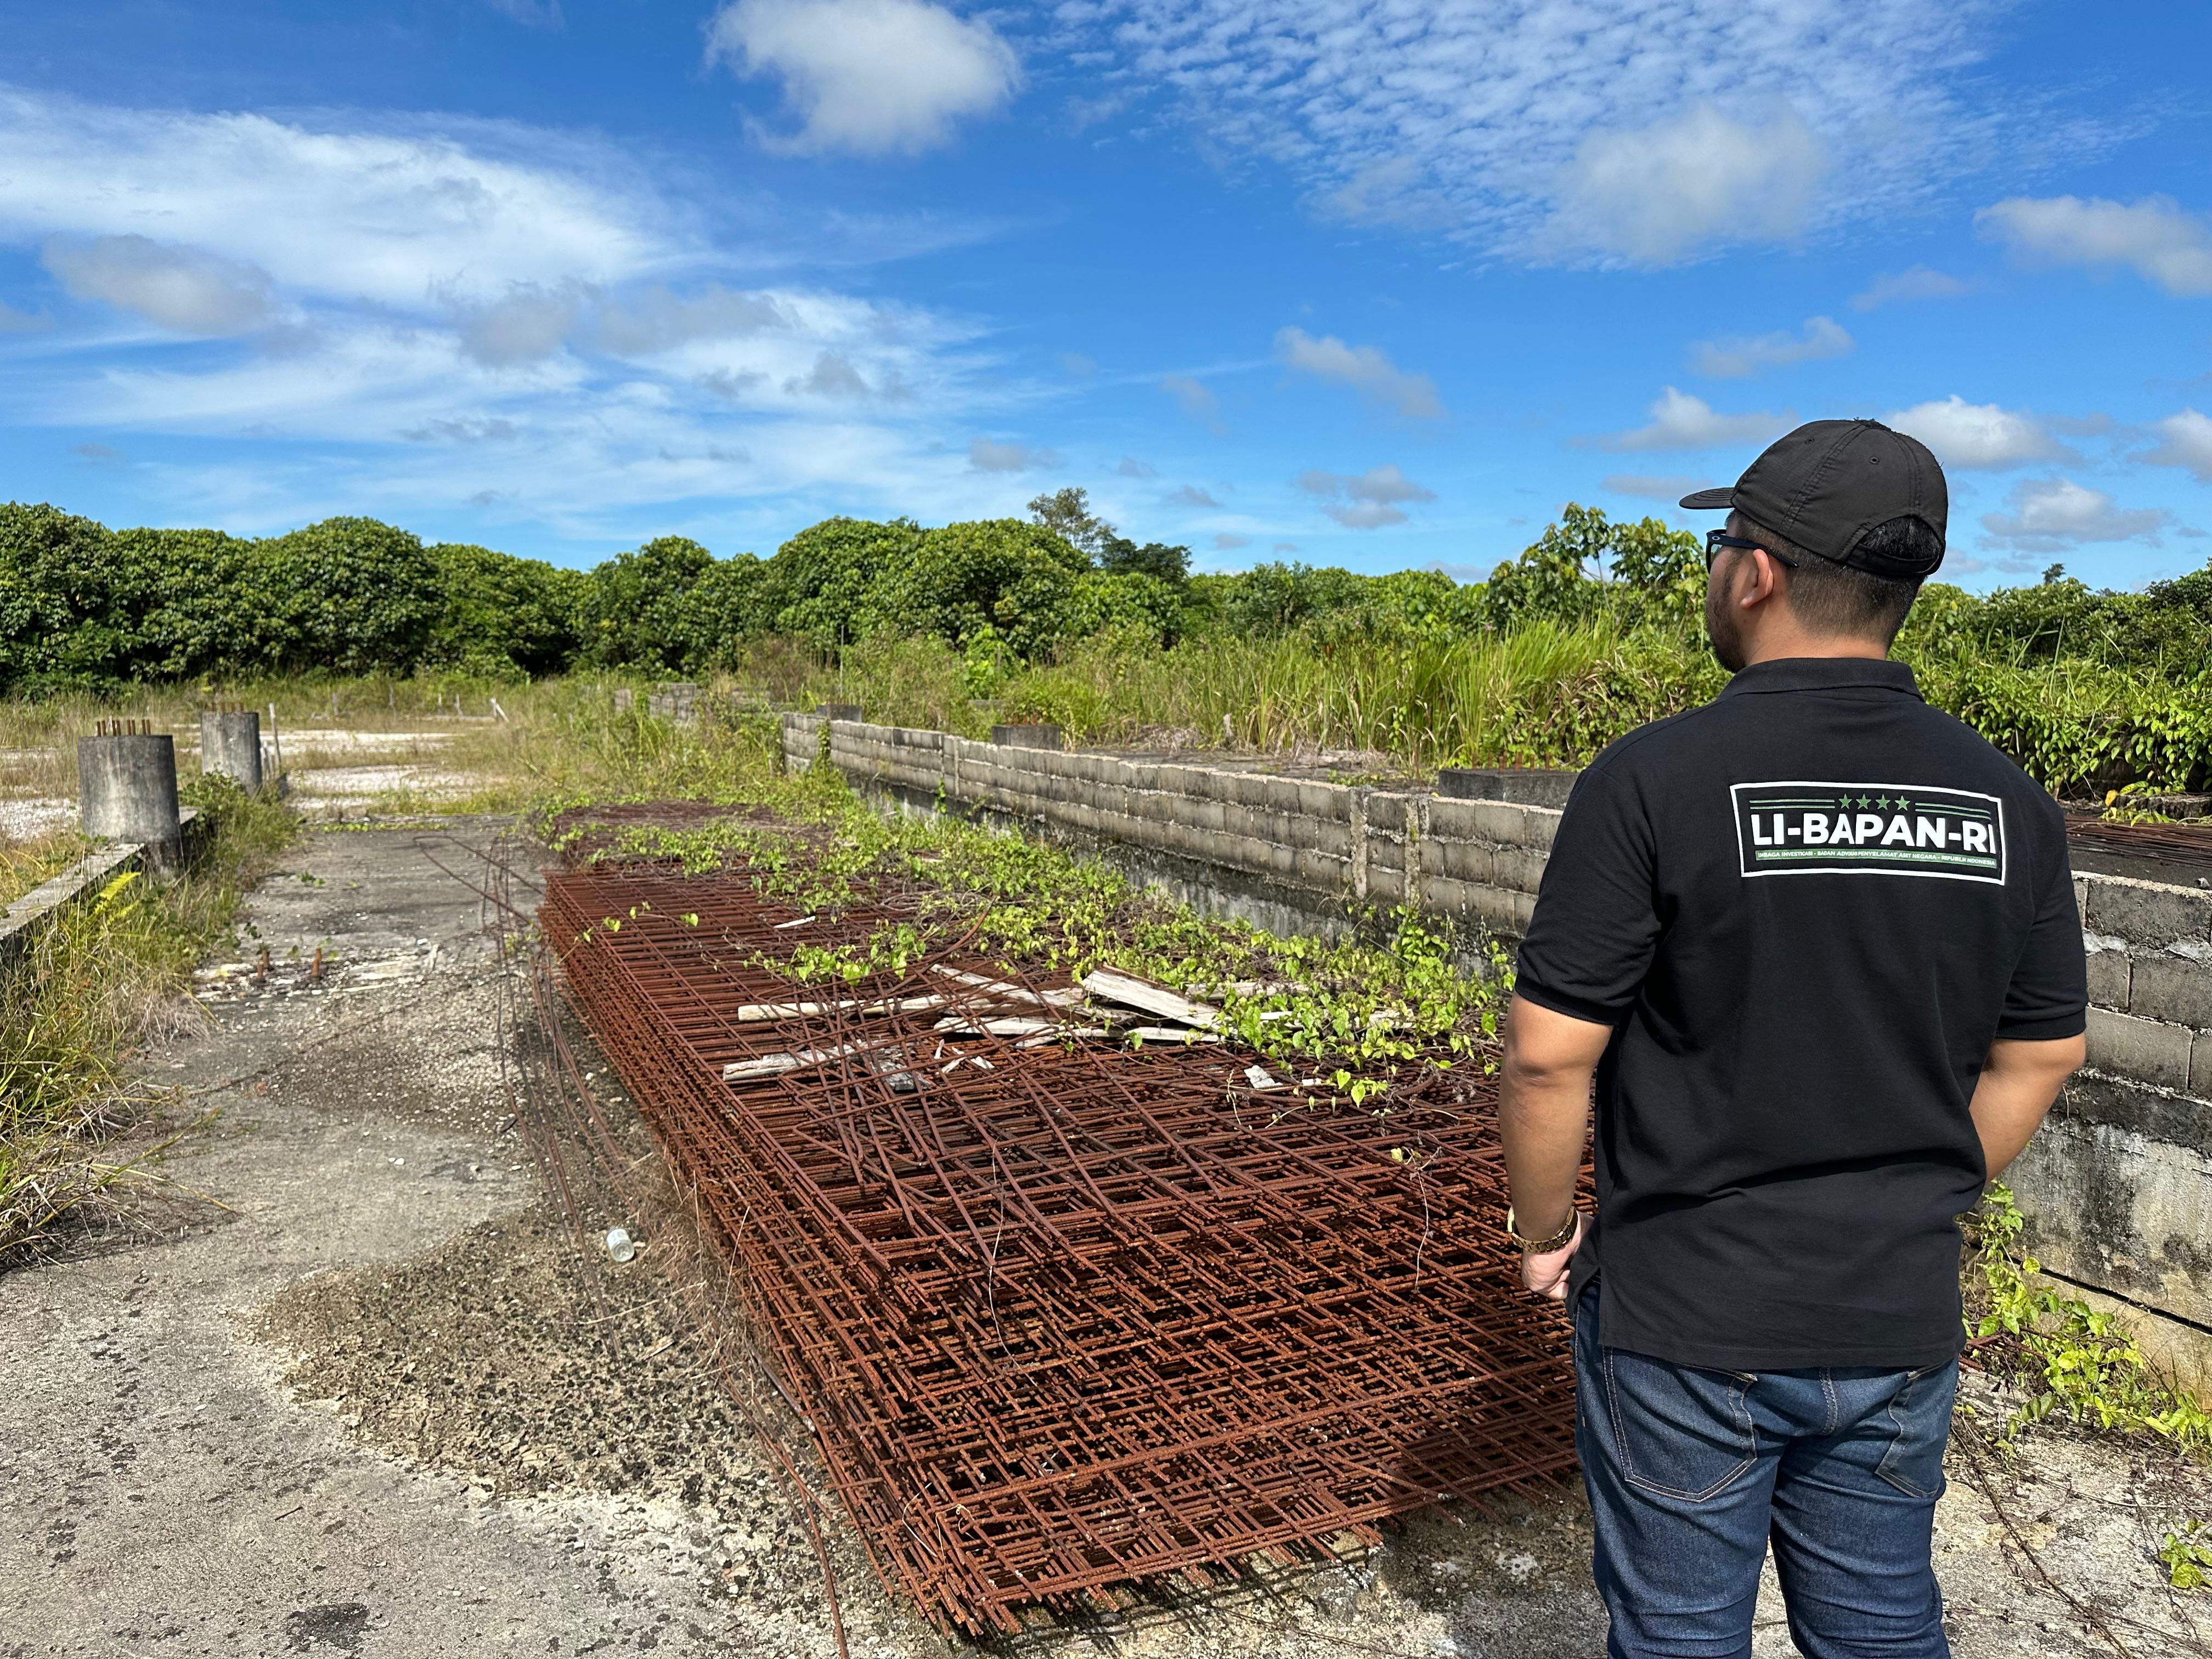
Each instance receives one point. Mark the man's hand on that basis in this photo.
(1543, 1117)
(1547, 1273)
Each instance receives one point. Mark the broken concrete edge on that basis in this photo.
(2118, 1187)
(23, 921)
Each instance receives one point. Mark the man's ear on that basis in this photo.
(1762, 579)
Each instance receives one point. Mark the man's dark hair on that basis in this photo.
(1830, 599)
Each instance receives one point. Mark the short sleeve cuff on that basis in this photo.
(2049, 1027)
(1572, 1007)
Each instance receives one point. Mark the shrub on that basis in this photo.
(349, 594)
(1015, 578)
(638, 609)
(500, 616)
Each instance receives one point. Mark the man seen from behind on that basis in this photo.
(1816, 943)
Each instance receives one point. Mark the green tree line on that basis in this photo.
(85, 607)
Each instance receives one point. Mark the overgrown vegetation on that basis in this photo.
(1348, 1012)
(2074, 1360)
(1593, 630)
(103, 979)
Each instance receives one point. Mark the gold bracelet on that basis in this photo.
(1543, 1246)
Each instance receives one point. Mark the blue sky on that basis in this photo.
(1381, 285)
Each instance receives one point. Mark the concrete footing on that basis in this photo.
(230, 746)
(127, 791)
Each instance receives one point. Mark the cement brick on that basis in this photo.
(2146, 912)
(1468, 860)
(2200, 1065)
(1324, 801)
(1388, 811)
(1386, 884)
(1454, 820)
(1501, 821)
(1282, 796)
(1184, 780)
(1442, 895)
(2147, 1050)
(1320, 871)
(2169, 988)
(1496, 909)
(1520, 868)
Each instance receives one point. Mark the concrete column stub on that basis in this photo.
(127, 791)
(230, 746)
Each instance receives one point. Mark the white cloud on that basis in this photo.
(1917, 283)
(1658, 195)
(1739, 356)
(529, 322)
(1226, 542)
(184, 289)
(1669, 489)
(2049, 515)
(1679, 421)
(867, 77)
(1131, 467)
(2154, 237)
(1196, 399)
(13, 321)
(658, 319)
(485, 314)
(1191, 495)
(1366, 368)
(1366, 501)
(986, 456)
(1470, 120)
(388, 217)
(2185, 440)
(1968, 437)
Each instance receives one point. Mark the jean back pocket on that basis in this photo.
(1678, 1430)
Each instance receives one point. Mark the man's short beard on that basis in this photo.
(1723, 631)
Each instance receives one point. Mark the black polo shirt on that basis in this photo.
(1805, 909)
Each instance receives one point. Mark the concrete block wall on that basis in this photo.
(2117, 1185)
(1318, 844)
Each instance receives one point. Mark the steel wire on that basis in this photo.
(1069, 1315)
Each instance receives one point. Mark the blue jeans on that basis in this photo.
(1690, 1472)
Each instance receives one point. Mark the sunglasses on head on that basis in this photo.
(1716, 540)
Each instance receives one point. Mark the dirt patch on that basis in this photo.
(501, 1356)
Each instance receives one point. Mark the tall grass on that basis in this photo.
(106, 977)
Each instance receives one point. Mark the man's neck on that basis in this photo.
(1773, 645)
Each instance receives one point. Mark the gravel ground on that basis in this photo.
(393, 1401)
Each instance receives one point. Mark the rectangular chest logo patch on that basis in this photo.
(1798, 829)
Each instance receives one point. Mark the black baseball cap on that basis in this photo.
(1824, 485)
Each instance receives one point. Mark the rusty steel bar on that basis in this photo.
(1068, 1315)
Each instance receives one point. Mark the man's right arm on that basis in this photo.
(2019, 1082)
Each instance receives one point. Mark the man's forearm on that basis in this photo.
(1543, 1121)
(2019, 1082)
(1543, 1110)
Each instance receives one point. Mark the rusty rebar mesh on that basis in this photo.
(1066, 1315)
(2190, 839)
